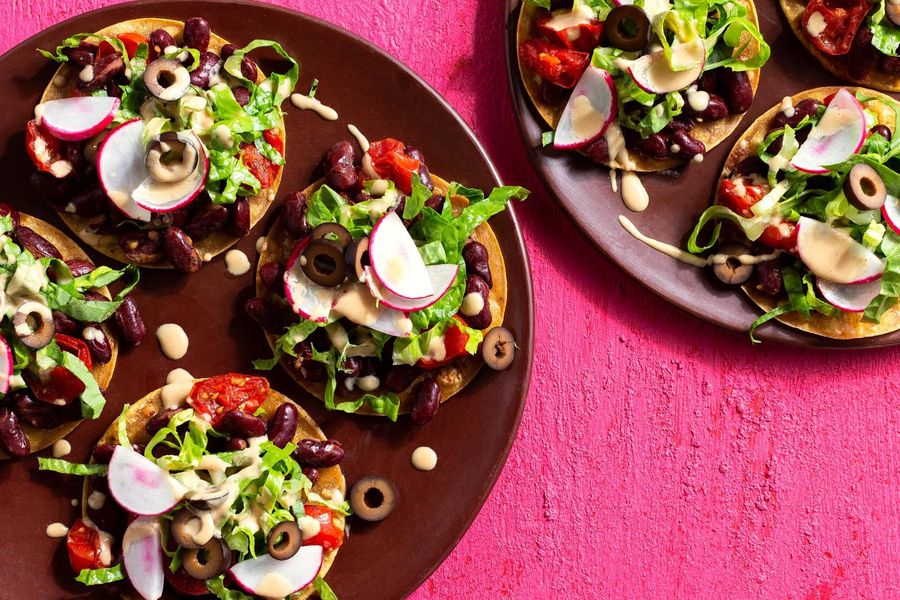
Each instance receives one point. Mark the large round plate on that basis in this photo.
(583, 190)
(473, 432)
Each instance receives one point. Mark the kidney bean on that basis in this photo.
(50, 188)
(131, 325)
(35, 243)
(272, 318)
(97, 342)
(768, 277)
(750, 165)
(41, 414)
(688, 147)
(201, 76)
(283, 425)
(339, 170)
(477, 261)
(737, 90)
(79, 267)
(161, 420)
(709, 82)
(180, 249)
(196, 33)
(235, 444)
(245, 425)
(227, 50)
(890, 64)
(476, 285)
(241, 94)
(862, 57)
(87, 202)
(160, 39)
(249, 69)
(435, 203)
(804, 108)
(400, 377)
(295, 207)
(310, 369)
(654, 146)
(715, 110)
(7, 210)
(114, 90)
(312, 474)
(883, 131)
(143, 247)
(424, 173)
(598, 152)
(351, 367)
(271, 274)
(205, 222)
(319, 454)
(12, 440)
(63, 323)
(680, 124)
(102, 453)
(83, 54)
(426, 400)
(240, 217)
(106, 68)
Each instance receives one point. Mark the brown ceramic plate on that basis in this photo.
(472, 434)
(583, 190)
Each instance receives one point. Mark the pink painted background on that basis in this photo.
(658, 456)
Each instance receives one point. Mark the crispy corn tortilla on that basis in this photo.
(144, 409)
(42, 438)
(843, 325)
(708, 133)
(793, 11)
(218, 241)
(451, 378)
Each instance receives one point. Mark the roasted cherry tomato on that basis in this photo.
(557, 65)
(75, 346)
(740, 196)
(216, 396)
(455, 341)
(330, 536)
(185, 584)
(262, 168)
(782, 236)
(132, 41)
(584, 37)
(274, 138)
(46, 152)
(831, 25)
(389, 159)
(60, 386)
(84, 547)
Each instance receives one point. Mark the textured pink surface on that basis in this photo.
(658, 457)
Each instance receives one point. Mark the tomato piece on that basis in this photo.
(105, 49)
(455, 341)
(259, 165)
(833, 30)
(131, 41)
(782, 236)
(390, 161)
(214, 397)
(740, 196)
(185, 584)
(75, 346)
(59, 388)
(84, 547)
(559, 66)
(274, 138)
(583, 37)
(330, 536)
(46, 152)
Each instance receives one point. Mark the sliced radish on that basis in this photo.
(837, 136)
(891, 211)
(142, 556)
(6, 365)
(834, 256)
(850, 298)
(138, 484)
(442, 278)
(78, 118)
(121, 168)
(159, 196)
(268, 577)
(356, 302)
(653, 73)
(396, 260)
(309, 300)
(591, 108)
(580, 14)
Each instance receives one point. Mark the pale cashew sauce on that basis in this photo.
(173, 341)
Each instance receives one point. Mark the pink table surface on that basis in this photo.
(658, 457)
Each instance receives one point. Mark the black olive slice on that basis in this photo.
(628, 28)
(179, 529)
(333, 232)
(498, 348)
(33, 324)
(356, 257)
(284, 540)
(210, 560)
(167, 79)
(731, 271)
(864, 187)
(373, 498)
(323, 263)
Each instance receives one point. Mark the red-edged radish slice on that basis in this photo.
(357, 303)
(834, 256)
(891, 211)
(268, 577)
(837, 136)
(849, 298)
(6, 365)
(591, 108)
(159, 196)
(442, 278)
(396, 260)
(138, 484)
(652, 72)
(121, 168)
(309, 300)
(78, 118)
(142, 556)
(580, 14)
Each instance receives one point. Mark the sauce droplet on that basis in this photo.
(315, 105)
(424, 458)
(173, 341)
(236, 263)
(57, 530)
(178, 374)
(61, 448)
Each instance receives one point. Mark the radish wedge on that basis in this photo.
(120, 167)
(160, 197)
(834, 256)
(272, 578)
(652, 72)
(307, 299)
(591, 108)
(138, 484)
(442, 278)
(849, 298)
(837, 136)
(356, 302)
(891, 211)
(396, 260)
(6, 365)
(78, 118)
(142, 556)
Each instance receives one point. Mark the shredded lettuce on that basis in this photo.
(58, 465)
(324, 590)
(101, 576)
(885, 35)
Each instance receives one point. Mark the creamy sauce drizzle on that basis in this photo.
(363, 142)
(57, 530)
(424, 458)
(173, 341)
(96, 500)
(61, 448)
(315, 105)
(236, 262)
(178, 374)
(262, 244)
(274, 585)
(634, 195)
